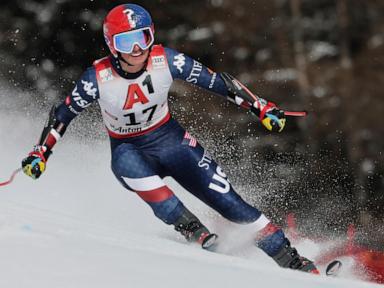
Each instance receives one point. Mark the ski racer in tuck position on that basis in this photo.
(147, 144)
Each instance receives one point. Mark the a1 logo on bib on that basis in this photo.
(135, 95)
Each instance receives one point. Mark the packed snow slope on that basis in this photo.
(77, 227)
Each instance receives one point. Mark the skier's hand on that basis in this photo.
(273, 119)
(34, 164)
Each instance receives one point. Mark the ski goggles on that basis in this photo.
(125, 42)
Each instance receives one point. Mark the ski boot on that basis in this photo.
(288, 257)
(194, 231)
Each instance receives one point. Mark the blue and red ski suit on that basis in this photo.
(147, 144)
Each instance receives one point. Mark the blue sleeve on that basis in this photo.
(85, 92)
(185, 68)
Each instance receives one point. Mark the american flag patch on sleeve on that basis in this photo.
(189, 140)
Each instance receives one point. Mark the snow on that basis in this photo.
(77, 227)
(280, 75)
(199, 34)
(321, 49)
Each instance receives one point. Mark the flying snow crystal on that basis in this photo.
(200, 34)
(321, 49)
(280, 75)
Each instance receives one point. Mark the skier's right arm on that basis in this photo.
(188, 69)
(84, 93)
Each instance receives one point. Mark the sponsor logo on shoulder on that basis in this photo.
(89, 89)
(179, 62)
(158, 62)
(195, 72)
(106, 75)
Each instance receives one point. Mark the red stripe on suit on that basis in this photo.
(156, 195)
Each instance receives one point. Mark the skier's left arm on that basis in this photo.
(190, 70)
(84, 93)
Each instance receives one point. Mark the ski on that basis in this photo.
(209, 242)
(333, 268)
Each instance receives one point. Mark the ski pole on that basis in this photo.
(296, 113)
(12, 177)
(286, 113)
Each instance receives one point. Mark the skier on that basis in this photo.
(147, 144)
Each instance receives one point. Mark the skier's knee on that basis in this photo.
(232, 207)
(240, 215)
